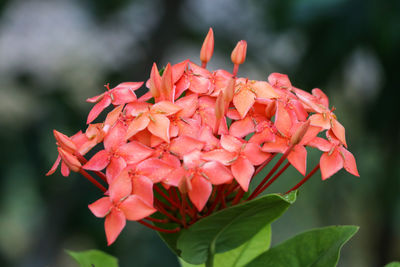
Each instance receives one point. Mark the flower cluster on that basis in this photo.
(193, 143)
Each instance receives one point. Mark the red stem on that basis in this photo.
(308, 176)
(161, 192)
(235, 70)
(265, 163)
(157, 220)
(182, 211)
(270, 181)
(238, 197)
(271, 172)
(92, 180)
(83, 160)
(160, 208)
(159, 229)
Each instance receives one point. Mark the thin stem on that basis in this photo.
(159, 229)
(161, 209)
(83, 160)
(271, 181)
(92, 180)
(305, 179)
(238, 197)
(265, 163)
(271, 172)
(157, 220)
(182, 211)
(161, 192)
(235, 70)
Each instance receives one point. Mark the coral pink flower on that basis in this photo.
(241, 156)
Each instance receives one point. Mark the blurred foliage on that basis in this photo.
(55, 54)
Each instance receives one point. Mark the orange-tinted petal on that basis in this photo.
(143, 187)
(121, 186)
(330, 164)
(115, 137)
(154, 168)
(101, 207)
(185, 144)
(264, 90)
(166, 108)
(117, 164)
(70, 160)
(243, 101)
(134, 152)
(201, 191)
(138, 124)
(136, 108)
(243, 170)
(298, 158)
(320, 120)
(54, 167)
(349, 161)
(241, 128)
(279, 146)
(320, 143)
(339, 131)
(216, 172)
(231, 143)
(221, 155)
(254, 154)
(98, 108)
(135, 208)
(283, 122)
(114, 223)
(159, 126)
(188, 104)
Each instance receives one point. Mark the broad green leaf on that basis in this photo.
(243, 254)
(231, 227)
(393, 264)
(316, 248)
(170, 238)
(90, 258)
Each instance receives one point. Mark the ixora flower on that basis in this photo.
(192, 144)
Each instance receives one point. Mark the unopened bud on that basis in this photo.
(64, 142)
(207, 49)
(167, 83)
(238, 55)
(71, 161)
(229, 90)
(300, 133)
(155, 81)
(219, 106)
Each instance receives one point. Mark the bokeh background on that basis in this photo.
(56, 53)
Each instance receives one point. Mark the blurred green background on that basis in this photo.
(55, 54)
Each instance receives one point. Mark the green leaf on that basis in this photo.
(393, 264)
(93, 258)
(243, 254)
(317, 248)
(231, 227)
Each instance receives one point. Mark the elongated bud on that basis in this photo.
(71, 161)
(300, 132)
(155, 81)
(207, 49)
(64, 142)
(229, 90)
(167, 83)
(185, 185)
(219, 106)
(238, 55)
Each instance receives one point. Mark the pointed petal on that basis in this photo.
(279, 80)
(143, 187)
(265, 135)
(64, 169)
(98, 108)
(330, 164)
(264, 90)
(54, 167)
(112, 117)
(135, 208)
(138, 124)
(124, 92)
(101, 207)
(241, 128)
(98, 162)
(188, 104)
(145, 97)
(208, 138)
(201, 191)
(199, 84)
(171, 160)
(242, 170)
(220, 155)
(254, 154)
(166, 108)
(279, 146)
(339, 131)
(115, 137)
(185, 144)
(243, 101)
(320, 143)
(134, 152)
(321, 96)
(298, 158)
(320, 120)
(121, 186)
(96, 98)
(117, 164)
(192, 159)
(175, 176)
(159, 126)
(178, 70)
(114, 223)
(216, 173)
(231, 143)
(137, 108)
(349, 161)
(283, 122)
(154, 168)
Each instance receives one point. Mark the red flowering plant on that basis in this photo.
(180, 159)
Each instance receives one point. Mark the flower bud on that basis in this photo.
(238, 55)
(71, 161)
(207, 49)
(300, 133)
(219, 106)
(167, 83)
(155, 81)
(64, 142)
(229, 91)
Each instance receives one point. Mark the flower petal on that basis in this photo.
(220, 155)
(188, 104)
(134, 152)
(114, 223)
(349, 161)
(330, 164)
(138, 124)
(216, 172)
(243, 101)
(320, 120)
(54, 167)
(298, 158)
(200, 193)
(254, 154)
(185, 144)
(117, 164)
(135, 208)
(231, 143)
(243, 170)
(159, 126)
(98, 162)
(339, 131)
(263, 90)
(154, 168)
(98, 108)
(143, 187)
(283, 122)
(101, 207)
(241, 128)
(279, 146)
(320, 143)
(115, 137)
(121, 186)
(166, 108)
